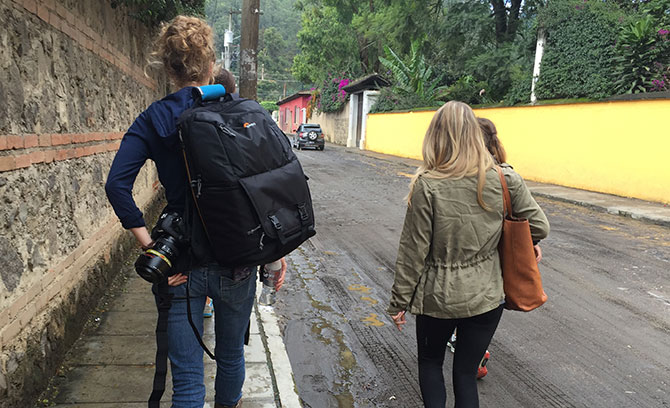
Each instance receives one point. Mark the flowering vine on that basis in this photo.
(333, 96)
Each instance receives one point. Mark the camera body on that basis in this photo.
(154, 264)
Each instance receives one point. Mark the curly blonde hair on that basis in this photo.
(185, 50)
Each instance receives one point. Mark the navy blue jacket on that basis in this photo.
(153, 136)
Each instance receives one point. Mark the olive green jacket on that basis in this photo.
(448, 265)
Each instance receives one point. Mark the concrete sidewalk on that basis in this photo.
(652, 212)
(113, 365)
(655, 213)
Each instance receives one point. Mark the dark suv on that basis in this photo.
(309, 135)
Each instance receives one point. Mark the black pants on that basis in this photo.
(474, 336)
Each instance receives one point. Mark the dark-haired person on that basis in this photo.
(224, 77)
(185, 51)
(495, 147)
(448, 272)
(497, 150)
(493, 144)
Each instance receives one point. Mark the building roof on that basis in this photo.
(294, 96)
(373, 81)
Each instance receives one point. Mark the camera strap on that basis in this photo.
(195, 329)
(164, 304)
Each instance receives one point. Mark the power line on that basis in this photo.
(279, 80)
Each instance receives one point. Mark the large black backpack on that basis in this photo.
(248, 186)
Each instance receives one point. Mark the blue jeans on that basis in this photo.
(233, 301)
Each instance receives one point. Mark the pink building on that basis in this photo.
(293, 111)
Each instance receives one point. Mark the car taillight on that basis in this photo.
(302, 134)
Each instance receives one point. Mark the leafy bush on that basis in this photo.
(519, 92)
(414, 77)
(467, 89)
(389, 100)
(414, 84)
(332, 96)
(579, 54)
(661, 82)
(642, 49)
(493, 69)
(270, 106)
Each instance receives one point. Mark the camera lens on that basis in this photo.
(154, 264)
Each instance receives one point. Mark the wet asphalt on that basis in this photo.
(602, 339)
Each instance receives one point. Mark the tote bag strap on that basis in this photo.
(507, 198)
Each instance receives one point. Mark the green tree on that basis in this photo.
(506, 16)
(413, 77)
(579, 53)
(472, 51)
(274, 54)
(350, 35)
(326, 45)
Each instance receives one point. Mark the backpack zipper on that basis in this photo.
(197, 184)
(226, 131)
(260, 242)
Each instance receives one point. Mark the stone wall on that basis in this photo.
(335, 125)
(71, 82)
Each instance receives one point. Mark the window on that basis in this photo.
(286, 116)
(295, 114)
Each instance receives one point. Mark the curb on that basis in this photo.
(634, 209)
(277, 357)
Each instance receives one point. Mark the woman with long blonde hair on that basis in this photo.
(448, 269)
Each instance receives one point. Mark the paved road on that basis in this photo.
(602, 340)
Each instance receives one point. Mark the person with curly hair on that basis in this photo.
(184, 50)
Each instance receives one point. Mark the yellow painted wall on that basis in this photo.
(620, 148)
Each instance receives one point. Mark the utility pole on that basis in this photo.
(228, 39)
(249, 45)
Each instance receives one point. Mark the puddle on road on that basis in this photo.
(320, 305)
(346, 360)
(359, 288)
(370, 300)
(345, 400)
(372, 320)
(608, 228)
(325, 332)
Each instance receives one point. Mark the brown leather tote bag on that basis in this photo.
(521, 277)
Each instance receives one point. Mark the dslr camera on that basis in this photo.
(154, 264)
